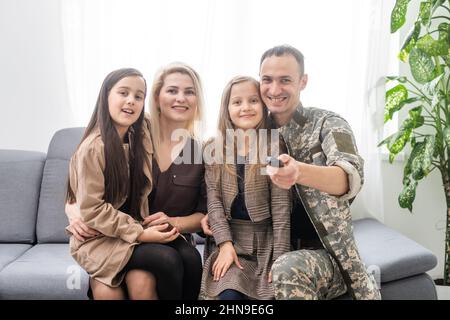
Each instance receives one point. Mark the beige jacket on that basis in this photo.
(105, 255)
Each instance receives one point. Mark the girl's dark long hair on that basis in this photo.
(117, 180)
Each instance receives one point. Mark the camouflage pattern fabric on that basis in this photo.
(307, 275)
(323, 138)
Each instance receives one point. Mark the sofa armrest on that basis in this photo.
(393, 254)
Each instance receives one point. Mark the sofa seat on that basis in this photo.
(46, 271)
(10, 252)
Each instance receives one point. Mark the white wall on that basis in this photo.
(34, 100)
(35, 105)
(426, 224)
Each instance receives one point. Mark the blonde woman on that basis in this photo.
(177, 200)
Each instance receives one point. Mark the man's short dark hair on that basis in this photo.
(283, 50)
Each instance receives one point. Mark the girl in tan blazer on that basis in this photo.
(249, 216)
(125, 250)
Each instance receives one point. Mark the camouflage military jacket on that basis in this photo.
(324, 138)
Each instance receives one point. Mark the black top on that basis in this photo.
(180, 190)
(301, 225)
(238, 208)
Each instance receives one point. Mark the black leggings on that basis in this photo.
(177, 267)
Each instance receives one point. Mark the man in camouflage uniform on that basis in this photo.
(326, 172)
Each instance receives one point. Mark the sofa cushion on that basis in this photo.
(51, 219)
(46, 271)
(11, 251)
(390, 254)
(21, 174)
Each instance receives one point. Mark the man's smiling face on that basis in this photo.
(281, 83)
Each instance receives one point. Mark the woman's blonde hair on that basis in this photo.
(158, 83)
(225, 122)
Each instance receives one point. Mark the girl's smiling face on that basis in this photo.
(245, 107)
(125, 102)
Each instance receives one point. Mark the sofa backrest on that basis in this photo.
(20, 181)
(51, 219)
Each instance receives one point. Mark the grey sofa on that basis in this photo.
(34, 255)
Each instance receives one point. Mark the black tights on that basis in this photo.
(177, 267)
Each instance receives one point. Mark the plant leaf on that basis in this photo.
(435, 100)
(413, 123)
(422, 158)
(428, 154)
(410, 41)
(430, 87)
(394, 99)
(386, 140)
(438, 144)
(398, 142)
(415, 112)
(444, 35)
(432, 47)
(407, 196)
(413, 141)
(436, 4)
(417, 149)
(416, 118)
(447, 135)
(403, 55)
(398, 14)
(422, 66)
(391, 157)
(399, 79)
(425, 12)
(444, 32)
(411, 100)
(447, 59)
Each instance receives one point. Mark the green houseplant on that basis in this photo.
(426, 129)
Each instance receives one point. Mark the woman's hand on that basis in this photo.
(156, 219)
(80, 230)
(157, 234)
(205, 225)
(227, 256)
(76, 226)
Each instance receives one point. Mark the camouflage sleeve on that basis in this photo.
(216, 213)
(339, 147)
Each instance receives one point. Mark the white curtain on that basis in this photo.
(373, 50)
(344, 44)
